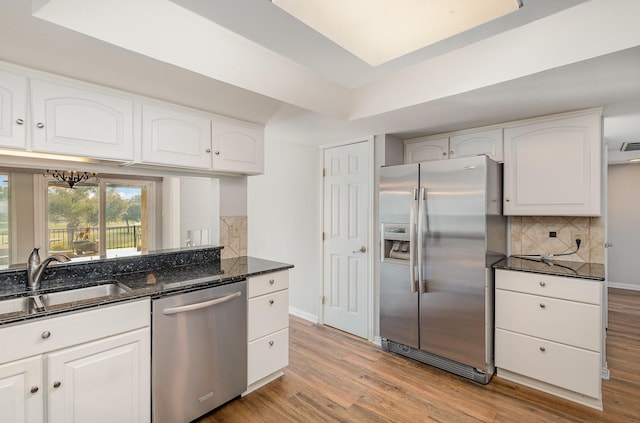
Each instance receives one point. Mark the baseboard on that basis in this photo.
(620, 285)
(377, 340)
(303, 315)
(260, 383)
(551, 389)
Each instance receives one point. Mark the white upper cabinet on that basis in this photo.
(175, 138)
(426, 151)
(81, 122)
(13, 110)
(238, 147)
(553, 167)
(477, 143)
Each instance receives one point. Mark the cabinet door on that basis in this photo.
(103, 381)
(13, 110)
(425, 151)
(553, 168)
(81, 122)
(175, 138)
(238, 148)
(21, 393)
(478, 143)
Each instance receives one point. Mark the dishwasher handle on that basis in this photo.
(198, 306)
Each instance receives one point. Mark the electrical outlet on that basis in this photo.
(577, 235)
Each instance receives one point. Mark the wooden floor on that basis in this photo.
(335, 377)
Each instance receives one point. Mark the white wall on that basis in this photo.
(233, 195)
(284, 212)
(623, 225)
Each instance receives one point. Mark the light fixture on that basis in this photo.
(33, 155)
(381, 30)
(70, 177)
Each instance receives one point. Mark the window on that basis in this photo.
(106, 218)
(4, 221)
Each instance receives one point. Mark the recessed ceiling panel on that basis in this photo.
(378, 31)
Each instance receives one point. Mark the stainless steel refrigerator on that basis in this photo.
(441, 230)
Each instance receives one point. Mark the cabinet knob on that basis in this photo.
(542, 305)
(40, 125)
(57, 384)
(217, 153)
(208, 150)
(507, 199)
(444, 153)
(271, 343)
(34, 389)
(45, 334)
(271, 281)
(451, 153)
(542, 284)
(542, 349)
(20, 121)
(271, 302)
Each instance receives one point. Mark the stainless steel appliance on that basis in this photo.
(199, 351)
(441, 230)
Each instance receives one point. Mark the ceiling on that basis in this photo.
(250, 60)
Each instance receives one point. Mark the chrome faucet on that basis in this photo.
(35, 268)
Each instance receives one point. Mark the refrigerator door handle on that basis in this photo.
(422, 204)
(412, 240)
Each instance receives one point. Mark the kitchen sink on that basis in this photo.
(15, 305)
(82, 294)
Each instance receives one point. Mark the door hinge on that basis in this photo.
(323, 238)
(322, 300)
(324, 172)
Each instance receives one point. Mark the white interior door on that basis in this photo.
(346, 238)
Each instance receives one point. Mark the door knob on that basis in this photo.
(362, 249)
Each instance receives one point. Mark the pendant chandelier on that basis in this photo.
(71, 177)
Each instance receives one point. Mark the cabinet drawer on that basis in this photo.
(269, 282)
(267, 355)
(571, 323)
(48, 334)
(573, 289)
(561, 365)
(268, 313)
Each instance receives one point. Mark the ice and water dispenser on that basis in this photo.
(395, 241)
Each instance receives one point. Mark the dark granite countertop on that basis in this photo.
(146, 282)
(571, 269)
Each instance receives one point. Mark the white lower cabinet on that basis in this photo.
(102, 381)
(267, 328)
(90, 366)
(549, 334)
(21, 393)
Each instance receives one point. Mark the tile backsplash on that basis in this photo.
(233, 236)
(530, 235)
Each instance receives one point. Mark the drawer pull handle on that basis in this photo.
(543, 349)
(271, 343)
(34, 389)
(542, 284)
(271, 302)
(45, 334)
(57, 384)
(271, 281)
(542, 305)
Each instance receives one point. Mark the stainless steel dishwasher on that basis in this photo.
(199, 351)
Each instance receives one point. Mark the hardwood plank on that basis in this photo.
(337, 377)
